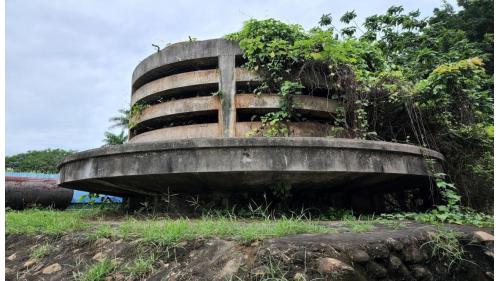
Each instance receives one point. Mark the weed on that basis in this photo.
(446, 246)
(358, 225)
(140, 266)
(102, 231)
(41, 251)
(97, 271)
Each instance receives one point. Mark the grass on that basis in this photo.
(97, 272)
(41, 251)
(139, 266)
(358, 225)
(36, 221)
(445, 245)
(170, 231)
(166, 231)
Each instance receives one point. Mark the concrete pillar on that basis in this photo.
(227, 90)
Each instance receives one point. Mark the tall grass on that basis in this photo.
(164, 230)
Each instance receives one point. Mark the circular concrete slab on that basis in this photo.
(243, 164)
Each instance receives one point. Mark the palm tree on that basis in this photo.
(122, 120)
(114, 139)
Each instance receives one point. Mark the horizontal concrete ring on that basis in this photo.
(234, 164)
(159, 63)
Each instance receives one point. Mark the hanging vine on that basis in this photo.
(395, 82)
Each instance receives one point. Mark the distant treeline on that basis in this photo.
(38, 161)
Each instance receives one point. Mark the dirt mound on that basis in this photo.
(415, 252)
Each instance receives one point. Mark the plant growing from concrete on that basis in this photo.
(135, 113)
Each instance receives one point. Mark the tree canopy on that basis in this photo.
(40, 161)
(397, 77)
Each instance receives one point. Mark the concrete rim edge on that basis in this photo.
(214, 143)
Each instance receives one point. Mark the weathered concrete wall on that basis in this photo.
(192, 136)
(221, 163)
(156, 78)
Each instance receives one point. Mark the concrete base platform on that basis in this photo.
(246, 164)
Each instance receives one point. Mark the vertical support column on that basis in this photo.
(227, 88)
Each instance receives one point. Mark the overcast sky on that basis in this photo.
(69, 63)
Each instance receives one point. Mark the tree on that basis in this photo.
(400, 78)
(40, 161)
(114, 139)
(122, 120)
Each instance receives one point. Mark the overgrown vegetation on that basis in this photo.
(166, 231)
(36, 221)
(445, 245)
(39, 161)
(450, 212)
(397, 78)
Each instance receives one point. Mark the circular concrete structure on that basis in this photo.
(197, 109)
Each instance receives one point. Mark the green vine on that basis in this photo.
(291, 60)
(450, 212)
(135, 114)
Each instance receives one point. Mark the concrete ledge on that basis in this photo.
(151, 68)
(300, 129)
(192, 106)
(304, 103)
(243, 75)
(181, 80)
(211, 130)
(229, 163)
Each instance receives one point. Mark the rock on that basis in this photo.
(12, 257)
(9, 273)
(53, 268)
(101, 242)
(259, 271)
(481, 237)
(379, 251)
(421, 273)
(30, 262)
(412, 254)
(99, 256)
(331, 265)
(394, 262)
(403, 270)
(359, 256)
(299, 277)
(119, 276)
(376, 269)
(229, 269)
(489, 254)
(394, 244)
(119, 241)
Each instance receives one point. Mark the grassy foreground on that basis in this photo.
(165, 230)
